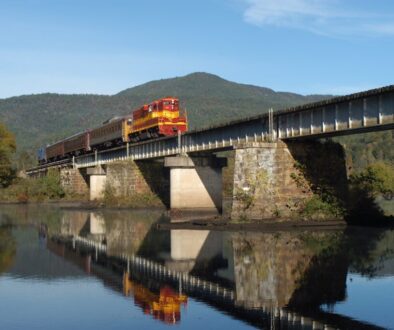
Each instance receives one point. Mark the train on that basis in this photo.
(159, 118)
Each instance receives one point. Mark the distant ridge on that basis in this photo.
(209, 99)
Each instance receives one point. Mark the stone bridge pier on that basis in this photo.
(88, 181)
(276, 180)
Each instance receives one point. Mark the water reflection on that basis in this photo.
(164, 305)
(297, 279)
(7, 249)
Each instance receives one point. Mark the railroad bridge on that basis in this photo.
(278, 159)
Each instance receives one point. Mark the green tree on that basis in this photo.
(376, 179)
(25, 160)
(7, 149)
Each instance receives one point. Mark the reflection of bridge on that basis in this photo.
(195, 179)
(156, 270)
(212, 293)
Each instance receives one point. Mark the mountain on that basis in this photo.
(209, 99)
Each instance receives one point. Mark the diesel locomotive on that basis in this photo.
(157, 119)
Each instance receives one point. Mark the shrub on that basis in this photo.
(29, 189)
(319, 208)
(376, 179)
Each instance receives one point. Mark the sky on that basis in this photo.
(103, 47)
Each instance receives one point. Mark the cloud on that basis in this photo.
(324, 17)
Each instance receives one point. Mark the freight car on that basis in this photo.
(156, 119)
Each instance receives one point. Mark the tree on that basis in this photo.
(376, 179)
(7, 149)
(24, 160)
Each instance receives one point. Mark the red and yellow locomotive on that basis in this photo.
(159, 118)
(156, 119)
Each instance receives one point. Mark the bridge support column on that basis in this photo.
(97, 179)
(195, 182)
(276, 180)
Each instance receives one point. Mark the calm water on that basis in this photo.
(68, 269)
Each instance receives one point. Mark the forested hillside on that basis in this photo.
(40, 119)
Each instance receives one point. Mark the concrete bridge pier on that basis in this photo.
(97, 181)
(196, 182)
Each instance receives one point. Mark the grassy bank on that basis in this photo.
(46, 188)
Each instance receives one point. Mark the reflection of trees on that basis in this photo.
(26, 215)
(7, 249)
(369, 249)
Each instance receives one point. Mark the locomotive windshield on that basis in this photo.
(170, 105)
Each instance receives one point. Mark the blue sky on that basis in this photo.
(303, 46)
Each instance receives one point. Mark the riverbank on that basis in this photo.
(206, 220)
(171, 220)
(266, 226)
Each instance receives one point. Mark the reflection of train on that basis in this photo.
(165, 306)
(159, 118)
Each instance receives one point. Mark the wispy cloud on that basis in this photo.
(324, 17)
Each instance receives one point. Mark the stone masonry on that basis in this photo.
(74, 181)
(129, 178)
(273, 180)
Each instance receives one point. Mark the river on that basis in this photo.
(81, 269)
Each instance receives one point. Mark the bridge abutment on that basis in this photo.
(195, 182)
(276, 180)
